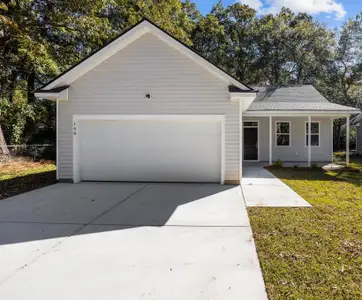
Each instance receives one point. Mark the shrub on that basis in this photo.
(278, 163)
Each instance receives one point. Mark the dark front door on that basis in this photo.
(251, 143)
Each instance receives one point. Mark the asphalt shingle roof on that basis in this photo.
(293, 97)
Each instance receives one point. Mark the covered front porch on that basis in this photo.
(291, 138)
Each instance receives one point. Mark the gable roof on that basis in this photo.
(124, 39)
(294, 98)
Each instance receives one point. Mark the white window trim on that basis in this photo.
(245, 121)
(276, 133)
(306, 134)
(258, 128)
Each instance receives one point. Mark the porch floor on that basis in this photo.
(262, 188)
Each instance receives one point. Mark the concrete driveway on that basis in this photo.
(128, 241)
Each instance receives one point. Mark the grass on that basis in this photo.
(19, 175)
(17, 168)
(356, 162)
(313, 253)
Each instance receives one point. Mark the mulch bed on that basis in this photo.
(19, 185)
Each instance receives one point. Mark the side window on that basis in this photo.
(283, 135)
(314, 133)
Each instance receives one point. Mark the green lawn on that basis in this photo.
(19, 168)
(313, 253)
(21, 175)
(356, 161)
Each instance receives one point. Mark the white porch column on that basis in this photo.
(347, 139)
(270, 140)
(309, 140)
(332, 141)
(241, 141)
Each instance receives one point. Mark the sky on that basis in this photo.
(331, 12)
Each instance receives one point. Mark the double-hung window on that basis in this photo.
(314, 137)
(283, 133)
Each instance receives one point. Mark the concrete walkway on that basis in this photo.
(128, 241)
(262, 188)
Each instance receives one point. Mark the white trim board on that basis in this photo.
(77, 118)
(298, 114)
(258, 137)
(241, 143)
(332, 138)
(151, 117)
(127, 38)
(276, 134)
(63, 95)
(306, 133)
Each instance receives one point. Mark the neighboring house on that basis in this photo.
(356, 122)
(147, 108)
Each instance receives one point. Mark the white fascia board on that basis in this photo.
(62, 96)
(100, 56)
(336, 114)
(236, 96)
(47, 96)
(245, 99)
(150, 117)
(126, 39)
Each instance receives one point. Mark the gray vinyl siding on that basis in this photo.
(359, 138)
(297, 151)
(149, 66)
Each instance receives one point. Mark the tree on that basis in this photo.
(309, 45)
(174, 16)
(225, 37)
(341, 79)
(291, 48)
(208, 39)
(40, 38)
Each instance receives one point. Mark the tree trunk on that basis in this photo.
(3, 146)
(12, 85)
(299, 75)
(30, 126)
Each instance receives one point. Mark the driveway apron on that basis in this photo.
(128, 241)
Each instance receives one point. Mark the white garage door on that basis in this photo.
(149, 150)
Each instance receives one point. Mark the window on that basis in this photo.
(314, 134)
(283, 133)
(251, 124)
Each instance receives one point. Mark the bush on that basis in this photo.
(13, 117)
(278, 163)
(34, 152)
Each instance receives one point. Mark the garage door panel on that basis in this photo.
(150, 151)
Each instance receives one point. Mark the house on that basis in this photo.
(356, 122)
(147, 108)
